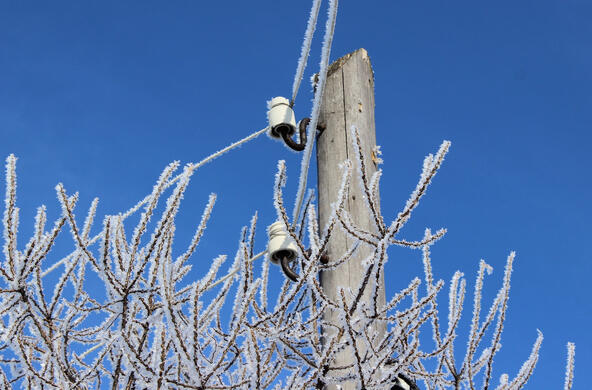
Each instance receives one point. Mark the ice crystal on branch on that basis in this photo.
(149, 328)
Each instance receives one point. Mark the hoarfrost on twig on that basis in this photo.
(149, 327)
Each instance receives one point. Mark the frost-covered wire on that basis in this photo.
(197, 165)
(316, 108)
(305, 51)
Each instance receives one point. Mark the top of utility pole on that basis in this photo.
(339, 63)
(361, 52)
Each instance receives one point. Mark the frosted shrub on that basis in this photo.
(149, 328)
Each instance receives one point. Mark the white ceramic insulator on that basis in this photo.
(280, 243)
(281, 114)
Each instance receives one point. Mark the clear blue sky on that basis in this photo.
(102, 95)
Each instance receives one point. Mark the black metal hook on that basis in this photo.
(290, 273)
(403, 379)
(297, 146)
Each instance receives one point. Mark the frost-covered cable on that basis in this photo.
(222, 151)
(312, 127)
(305, 51)
(194, 166)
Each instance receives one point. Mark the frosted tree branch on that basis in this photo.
(147, 327)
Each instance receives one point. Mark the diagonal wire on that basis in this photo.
(194, 166)
(312, 127)
(303, 60)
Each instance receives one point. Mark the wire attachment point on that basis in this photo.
(301, 144)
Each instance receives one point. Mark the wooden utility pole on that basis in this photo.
(348, 101)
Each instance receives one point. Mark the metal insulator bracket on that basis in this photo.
(282, 124)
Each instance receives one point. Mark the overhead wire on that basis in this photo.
(199, 164)
(312, 127)
(304, 53)
(302, 62)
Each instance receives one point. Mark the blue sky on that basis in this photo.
(102, 95)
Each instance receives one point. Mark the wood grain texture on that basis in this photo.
(348, 101)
